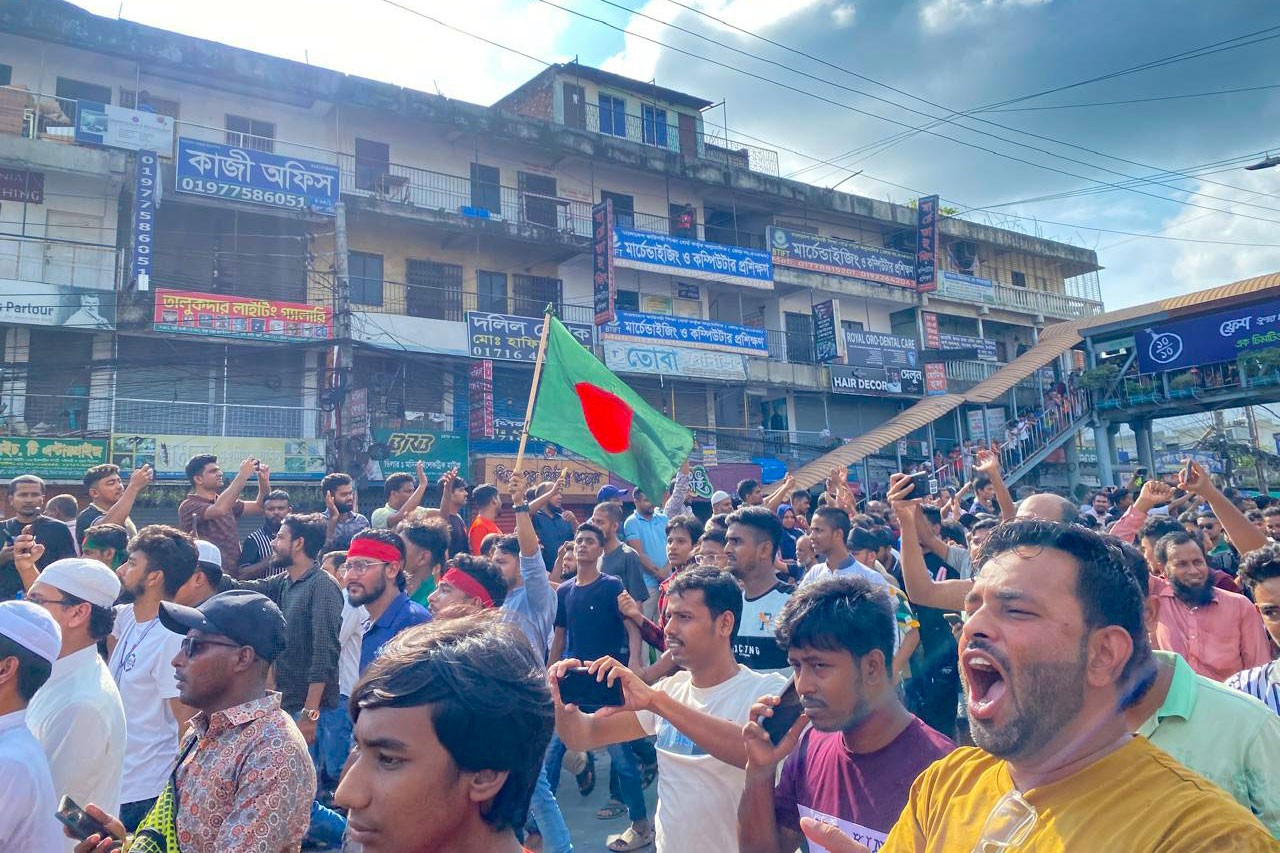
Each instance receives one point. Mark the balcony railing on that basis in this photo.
(453, 303)
(37, 116)
(652, 130)
(743, 444)
(65, 262)
(50, 415)
(183, 417)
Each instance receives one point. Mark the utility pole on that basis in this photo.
(1258, 465)
(342, 326)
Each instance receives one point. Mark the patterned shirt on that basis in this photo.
(1261, 682)
(248, 783)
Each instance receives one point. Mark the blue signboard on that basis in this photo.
(144, 215)
(840, 257)
(970, 288)
(662, 253)
(1220, 336)
(504, 337)
(242, 174)
(875, 349)
(686, 331)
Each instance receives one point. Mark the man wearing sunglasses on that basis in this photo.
(244, 778)
(1053, 651)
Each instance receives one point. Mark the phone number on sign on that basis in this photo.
(504, 353)
(254, 194)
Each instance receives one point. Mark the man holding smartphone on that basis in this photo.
(855, 766)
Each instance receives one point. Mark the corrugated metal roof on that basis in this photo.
(1022, 367)
(901, 425)
(1200, 300)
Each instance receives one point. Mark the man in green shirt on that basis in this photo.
(403, 497)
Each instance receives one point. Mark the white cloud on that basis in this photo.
(940, 15)
(843, 15)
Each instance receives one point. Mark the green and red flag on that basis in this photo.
(583, 407)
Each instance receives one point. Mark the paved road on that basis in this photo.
(589, 833)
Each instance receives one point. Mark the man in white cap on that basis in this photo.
(721, 502)
(78, 716)
(208, 579)
(29, 644)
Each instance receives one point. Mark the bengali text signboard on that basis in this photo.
(289, 459)
(828, 336)
(932, 337)
(184, 312)
(1218, 336)
(970, 288)
(437, 451)
(840, 257)
(257, 177)
(686, 332)
(623, 357)
(877, 381)
(50, 458)
(986, 349)
(927, 244)
(662, 253)
(935, 378)
(584, 480)
(604, 290)
(480, 399)
(504, 337)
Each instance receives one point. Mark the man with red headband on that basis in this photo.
(375, 579)
(467, 585)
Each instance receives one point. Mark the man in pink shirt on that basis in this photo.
(1219, 633)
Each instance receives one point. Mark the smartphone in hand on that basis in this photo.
(579, 687)
(785, 714)
(76, 819)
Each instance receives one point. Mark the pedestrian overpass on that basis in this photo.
(1161, 359)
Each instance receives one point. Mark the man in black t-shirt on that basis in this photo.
(26, 496)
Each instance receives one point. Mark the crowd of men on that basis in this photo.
(938, 670)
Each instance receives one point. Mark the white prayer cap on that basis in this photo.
(208, 553)
(31, 627)
(718, 497)
(88, 580)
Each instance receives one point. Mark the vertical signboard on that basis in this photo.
(481, 398)
(927, 244)
(144, 217)
(827, 333)
(932, 337)
(603, 287)
(935, 379)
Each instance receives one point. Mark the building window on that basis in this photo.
(70, 92)
(364, 271)
(373, 160)
(799, 331)
(684, 220)
(538, 195)
(250, 133)
(434, 290)
(530, 295)
(491, 291)
(624, 208)
(486, 192)
(851, 325)
(655, 126)
(148, 103)
(613, 115)
(1019, 279)
(627, 300)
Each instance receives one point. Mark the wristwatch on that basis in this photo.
(310, 713)
(520, 508)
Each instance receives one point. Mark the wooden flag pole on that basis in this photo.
(533, 390)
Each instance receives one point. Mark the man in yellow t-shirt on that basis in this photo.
(1053, 650)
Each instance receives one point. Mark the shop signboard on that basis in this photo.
(877, 381)
(876, 349)
(437, 451)
(663, 253)
(505, 337)
(50, 458)
(291, 460)
(256, 177)
(623, 357)
(840, 257)
(1217, 336)
(686, 332)
(584, 479)
(189, 312)
(119, 127)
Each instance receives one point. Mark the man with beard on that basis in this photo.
(255, 552)
(343, 521)
(374, 578)
(26, 496)
(1053, 651)
(855, 766)
(209, 514)
(1219, 633)
(307, 669)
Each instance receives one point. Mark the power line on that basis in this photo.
(1135, 100)
(927, 129)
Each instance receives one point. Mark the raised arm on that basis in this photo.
(138, 480)
(1240, 531)
(678, 504)
(258, 507)
(988, 464)
(227, 500)
(920, 587)
(779, 495)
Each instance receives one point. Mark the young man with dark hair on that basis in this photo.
(78, 716)
(451, 722)
(469, 584)
(487, 502)
(210, 512)
(341, 511)
(619, 559)
(750, 493)
(404, 496)
(426, 547)
(682, 532)
(1219, 633)
(1054, 650)
(855, 766)
(800, 502)
(63, 508)
(1260, 572)
(26, 496)
(829, 531)
(644, 532)
(1271, 522)
(161, 560)
(697, 715)
(256, 552)
(106, 543)
(552, 524)
(29, 644)
(752, 542)
(530, 597)
(453, 500)
(309, 598)
(110, 500)
(374, 575)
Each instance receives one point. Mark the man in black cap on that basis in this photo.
(243, 763)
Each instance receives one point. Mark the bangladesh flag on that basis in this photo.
(583, 407)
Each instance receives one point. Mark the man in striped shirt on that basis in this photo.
(255, 551)
(1260, 572)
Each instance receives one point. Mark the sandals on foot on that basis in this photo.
(610, 810)
(630, 840)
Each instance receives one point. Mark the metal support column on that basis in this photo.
(1102, 443)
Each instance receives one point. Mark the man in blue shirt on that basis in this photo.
(645, 532)
(375, 579)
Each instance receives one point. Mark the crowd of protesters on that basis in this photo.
(937, 670)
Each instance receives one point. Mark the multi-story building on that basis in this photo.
(408, 222)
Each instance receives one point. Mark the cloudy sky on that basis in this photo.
(820, 91)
